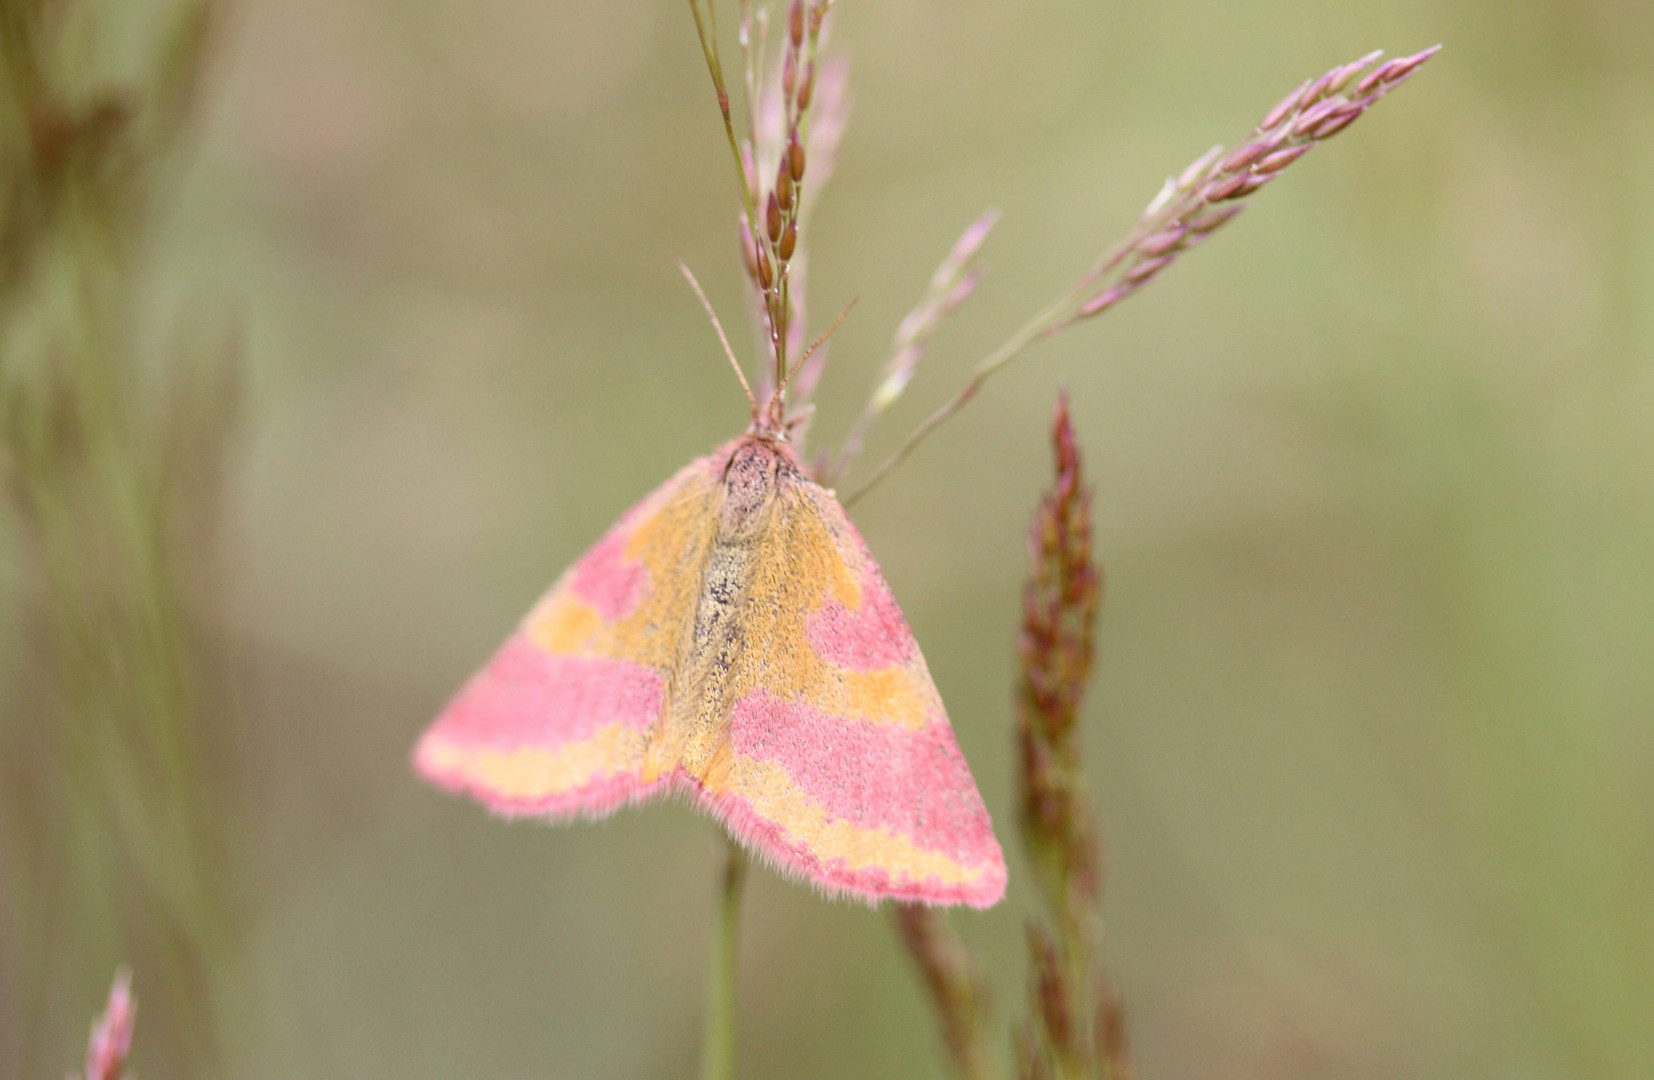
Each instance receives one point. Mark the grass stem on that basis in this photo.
(718, 1047)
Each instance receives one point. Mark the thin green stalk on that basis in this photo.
(1053, 317)
(707, 29)
(718, 1045)
(995, 360)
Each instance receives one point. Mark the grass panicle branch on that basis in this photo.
(706, 28)
(1209, 194)
(950, 286)
(958, 989)
(1188, 210)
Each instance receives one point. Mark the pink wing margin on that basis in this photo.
(556, 724)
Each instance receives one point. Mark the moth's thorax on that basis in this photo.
(750, 479)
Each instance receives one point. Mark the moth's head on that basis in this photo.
(775, 423)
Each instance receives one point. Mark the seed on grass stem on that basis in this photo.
(1103, 301)
(795, 158)
(1333, 124)
(1349, 71)
(1161, 242)
(1315, 114)
(1245, 156)
(749, 249)
(1204, 223)
(806, 86)
(1280, 159)
(1224, 189)
(1282, 110)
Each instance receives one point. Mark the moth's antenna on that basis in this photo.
(818, 343)
(706, 305)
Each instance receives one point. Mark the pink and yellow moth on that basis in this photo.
(732, 639)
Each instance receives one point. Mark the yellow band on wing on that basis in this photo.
(771, 793)
(563, 623)
(531, 773)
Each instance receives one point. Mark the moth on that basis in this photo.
(732, 639)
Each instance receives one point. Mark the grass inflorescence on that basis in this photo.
(1189, 209)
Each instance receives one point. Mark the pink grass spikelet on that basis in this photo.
(1315, 114)
(1223, 189)
(1050, 991)
(806, 86)
(749, 250)
(1145, 270)
(1320, 88)
(1103, 301)
(1202, 224)
(1333, 124)
(964, 288)
(1162, 242)
(1109, 1034)
(1246, 155)
(110, 1043)
(1406, 64)
(1197, 169)
(1391, 74)
(1374, 79)
(1284, 107)
(1343, 76)
(1280, 159)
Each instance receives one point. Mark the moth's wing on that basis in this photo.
(841, 766)
(556, 723)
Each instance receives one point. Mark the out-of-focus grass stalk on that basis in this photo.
(116, 820)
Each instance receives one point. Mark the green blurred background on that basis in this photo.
(1373, 734)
